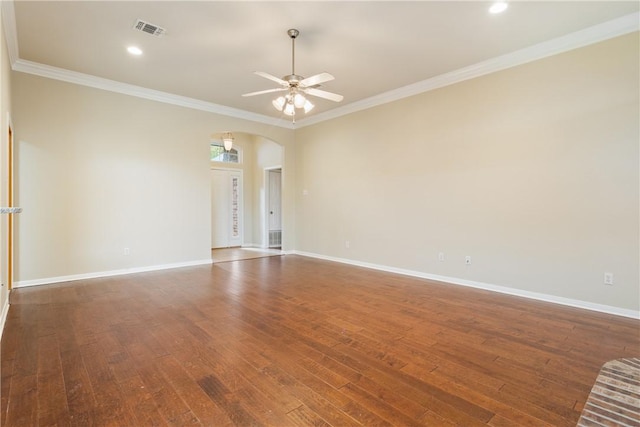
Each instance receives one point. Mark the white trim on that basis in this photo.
(82, 79)
(3, 316)
(59, 279)
(480, 285)
(10, 30)
(597, 33)
(267, 194)
(607, 30)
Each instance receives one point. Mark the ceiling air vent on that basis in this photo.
(149, 28)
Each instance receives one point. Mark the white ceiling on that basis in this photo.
(212, 48)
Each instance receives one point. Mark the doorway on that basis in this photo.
(273, 203)
(226, 208)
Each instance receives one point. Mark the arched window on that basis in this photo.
(219, 154)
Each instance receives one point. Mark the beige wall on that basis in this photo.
(532, 171)
(99, 172)
(5, 109)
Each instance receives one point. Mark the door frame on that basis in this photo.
(10, 201)
(267, 198)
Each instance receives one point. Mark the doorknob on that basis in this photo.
(271, 212)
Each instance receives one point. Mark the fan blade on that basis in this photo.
(316, 80)
(260, 92)
(273, 78)
(324, 94)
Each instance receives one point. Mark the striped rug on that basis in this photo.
(615, 398)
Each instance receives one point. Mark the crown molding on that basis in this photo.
(10, 30)
(20, 65)
(68, 76)
(597, 33)
(601, 32)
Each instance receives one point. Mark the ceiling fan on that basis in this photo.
(296, 87)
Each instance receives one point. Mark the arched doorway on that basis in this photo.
(257, 207)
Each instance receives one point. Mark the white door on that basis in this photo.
(275, 208)
(226, 208)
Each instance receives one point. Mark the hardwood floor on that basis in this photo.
(240, 254)
(295, 341)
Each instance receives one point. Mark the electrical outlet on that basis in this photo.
(126, 251)
(467, 260)
(347, 244)
(608, 278)
(441, 256)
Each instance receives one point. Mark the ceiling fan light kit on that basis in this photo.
(279, 103)
(296, 87)
(289, 103)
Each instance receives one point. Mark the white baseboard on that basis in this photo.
(51, 280)
(451, 280)
(480, 285)
(3, 315)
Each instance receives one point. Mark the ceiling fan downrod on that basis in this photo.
(293, 33)
(297, 87)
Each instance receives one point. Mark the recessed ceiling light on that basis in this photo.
(498, 7)
(133, 50)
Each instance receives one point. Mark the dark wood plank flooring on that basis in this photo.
(295, 341)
